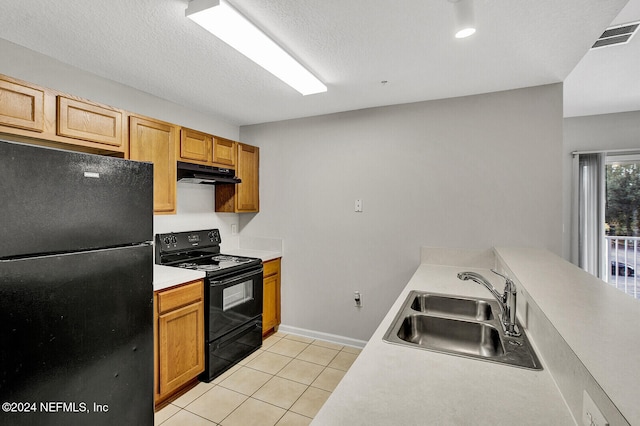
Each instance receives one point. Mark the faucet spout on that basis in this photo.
(483, 281)
(506, 300)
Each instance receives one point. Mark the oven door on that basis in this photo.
(233, 301)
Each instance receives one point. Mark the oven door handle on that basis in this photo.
(236, 278)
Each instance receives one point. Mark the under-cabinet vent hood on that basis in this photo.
(196, 173)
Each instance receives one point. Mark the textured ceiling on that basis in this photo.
(350, 45)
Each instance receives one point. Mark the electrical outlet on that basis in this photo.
(359, 205)
(591, 415)
(357, 297)
(234, 229)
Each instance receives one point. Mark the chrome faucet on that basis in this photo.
(507, 300)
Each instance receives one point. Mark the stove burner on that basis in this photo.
(208, 268)
(191, 265)
(226, 258)
(199, 251)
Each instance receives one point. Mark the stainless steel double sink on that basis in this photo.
(461, 326)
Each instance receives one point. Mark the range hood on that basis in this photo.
(196, 173)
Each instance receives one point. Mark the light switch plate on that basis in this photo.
(591, 415)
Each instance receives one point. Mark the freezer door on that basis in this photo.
(57, 201)
(77, 338)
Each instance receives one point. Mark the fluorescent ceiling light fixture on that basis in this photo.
(226, 23)
(465, 25)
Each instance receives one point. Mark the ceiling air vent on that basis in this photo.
(620, 34)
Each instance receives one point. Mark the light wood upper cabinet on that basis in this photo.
(82, 120)
(224, 152)
(41, 116)
(243, 197)
(201, 148)
(156, 142)
(247, 192)
(179, 337)
(21, 106)
(195, 146)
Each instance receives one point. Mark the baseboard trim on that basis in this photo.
(333, 338)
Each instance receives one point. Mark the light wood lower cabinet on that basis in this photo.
(271, 297)
(179, 337)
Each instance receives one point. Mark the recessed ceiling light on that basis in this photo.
(226, 23)
(465, 25)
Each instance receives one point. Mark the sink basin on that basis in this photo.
(455, 306)
(461, 326)
(451, 335)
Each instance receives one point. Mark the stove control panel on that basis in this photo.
(177, 241)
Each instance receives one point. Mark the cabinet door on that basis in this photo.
(195, 146)
(81, 120)
(269, 304)
(224, 152)
(21, 106)
(180, 346)
(271, 296)
(156, 141)
(247, 192)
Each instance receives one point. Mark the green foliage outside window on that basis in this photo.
(623, 199)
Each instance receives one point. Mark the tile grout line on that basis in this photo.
(272, 375)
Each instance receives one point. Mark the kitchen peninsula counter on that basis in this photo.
(397, 385)
(583, 330)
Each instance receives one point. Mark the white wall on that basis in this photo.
(195, 203)
(595, 132)
(470, 172)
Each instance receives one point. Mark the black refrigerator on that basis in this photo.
(76, 292)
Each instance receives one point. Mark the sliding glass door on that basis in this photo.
(607, 213)
(622, 227)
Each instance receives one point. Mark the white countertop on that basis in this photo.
(263, 248)
(396, 385)
(168, 276)
(265, 255)
(600, 323)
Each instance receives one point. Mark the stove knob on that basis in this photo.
(167, 240)
(174, 239)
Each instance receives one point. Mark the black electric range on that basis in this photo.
(199, 250)
(233, 295)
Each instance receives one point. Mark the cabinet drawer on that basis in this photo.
(180, 296)
(21, 106)
(81, 120)
(271, 267)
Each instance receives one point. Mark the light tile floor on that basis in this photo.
(283, 383)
